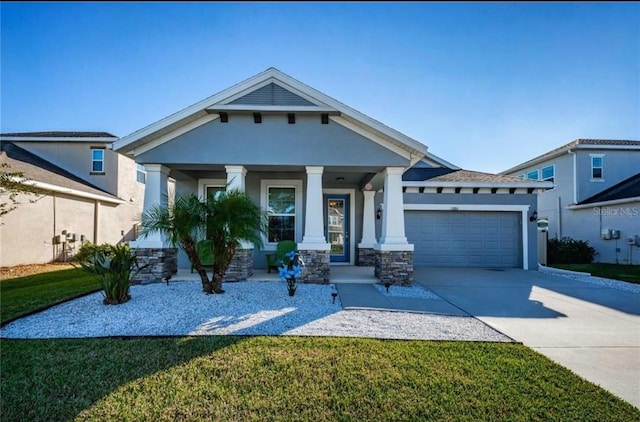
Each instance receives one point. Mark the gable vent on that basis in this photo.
(272, 94)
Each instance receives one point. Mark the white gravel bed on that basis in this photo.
(599, 281)
(247, 308)
(407, 291)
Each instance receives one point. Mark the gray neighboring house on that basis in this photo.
(348, 189)
(596, 195)
(86, 192)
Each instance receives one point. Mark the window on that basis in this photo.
(283, 201)
(532, 175)
(548, 173)
(522, 176)
(597, 162)
(212, 191)
(141, 174)
(97, 160)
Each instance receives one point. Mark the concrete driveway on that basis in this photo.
(592, 330)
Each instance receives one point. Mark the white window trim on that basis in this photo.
(143, 170)
(352, 221)
(265, 184)
(591, 157)
(523, 209)
(92, 171)
(553, 166)
(537, 174)
(203, 184)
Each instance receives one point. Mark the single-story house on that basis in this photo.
(348, 189)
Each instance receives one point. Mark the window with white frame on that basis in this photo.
(141, 174)
(283, 202)
(549, 173)
(97, 160)
(532, 175)
(522, 176)
(597, 167)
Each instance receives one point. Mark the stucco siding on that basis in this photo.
(617, 166)
(587, 224)
(272, 142)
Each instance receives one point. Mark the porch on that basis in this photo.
(338, 274)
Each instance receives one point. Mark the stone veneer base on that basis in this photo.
(241, 266)
(395, 267)
(366, 257)
(316, 266)
(156, 263)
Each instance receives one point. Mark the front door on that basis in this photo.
(337, 226)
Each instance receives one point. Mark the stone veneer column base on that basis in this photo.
(241, 266)
(395, 267)
(158, 263)
(366, 257)
(316, 266)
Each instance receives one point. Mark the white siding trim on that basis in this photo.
(352, 218)
(203, 183)
(69, 191)
(264, 202)
(174, 134)
(604, 203)
(367, 134)
(523, 209)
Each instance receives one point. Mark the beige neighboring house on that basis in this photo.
(89, 192)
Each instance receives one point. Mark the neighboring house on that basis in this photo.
(335, 181)
(86, 192)
(596, 195)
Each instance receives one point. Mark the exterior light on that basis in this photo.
(534, 216)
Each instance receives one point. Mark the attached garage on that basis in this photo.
(485, 239)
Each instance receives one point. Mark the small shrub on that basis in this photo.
(569, 251)
(88, 250)
(113, 268)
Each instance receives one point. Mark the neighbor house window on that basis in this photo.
(141, 174)
(97, 160)
(597, 162)
(283, 202)
(522, 176)
(532, 175)
(549, 173)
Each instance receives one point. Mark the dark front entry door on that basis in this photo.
(337, 228)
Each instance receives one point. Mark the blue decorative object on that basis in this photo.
(290, 270)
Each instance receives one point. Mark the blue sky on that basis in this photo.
(483, 85)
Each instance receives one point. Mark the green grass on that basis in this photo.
(22, 295)
(226, 378)
(630, 273)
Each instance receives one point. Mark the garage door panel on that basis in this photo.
(465, 238)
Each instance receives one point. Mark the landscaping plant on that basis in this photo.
(226, 219)
(569, 251)
(113, 268)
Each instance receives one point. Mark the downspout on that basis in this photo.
(96, 211)
(575, 175)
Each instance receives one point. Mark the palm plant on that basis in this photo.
(226, 219)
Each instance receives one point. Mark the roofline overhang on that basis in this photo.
(436, 184)
(75, 192)
(604, 203)
(57, 139)
(324, 104)
(568, 150)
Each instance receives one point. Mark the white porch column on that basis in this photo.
(368, 220)
(235, 180)
(235, 177)
(392, 237)
(155, 193)
(313, 238)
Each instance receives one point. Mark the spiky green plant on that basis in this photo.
(226, 219)
(113, 268)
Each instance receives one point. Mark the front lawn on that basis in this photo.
(19, 296)
(227, 378)
(630, 273)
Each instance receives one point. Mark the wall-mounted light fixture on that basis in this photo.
(534, 216)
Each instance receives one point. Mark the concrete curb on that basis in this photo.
(551, 270)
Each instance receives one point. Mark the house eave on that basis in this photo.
(604, 203)
(522, 185)
(69, 191)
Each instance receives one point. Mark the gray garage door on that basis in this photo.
(465, 238)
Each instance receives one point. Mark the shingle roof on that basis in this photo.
(40, 170)
(628, 188)
(59, 134)
(460, 176)
(573, 144)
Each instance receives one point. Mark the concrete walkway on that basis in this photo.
(366, 296)
(590, 329)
